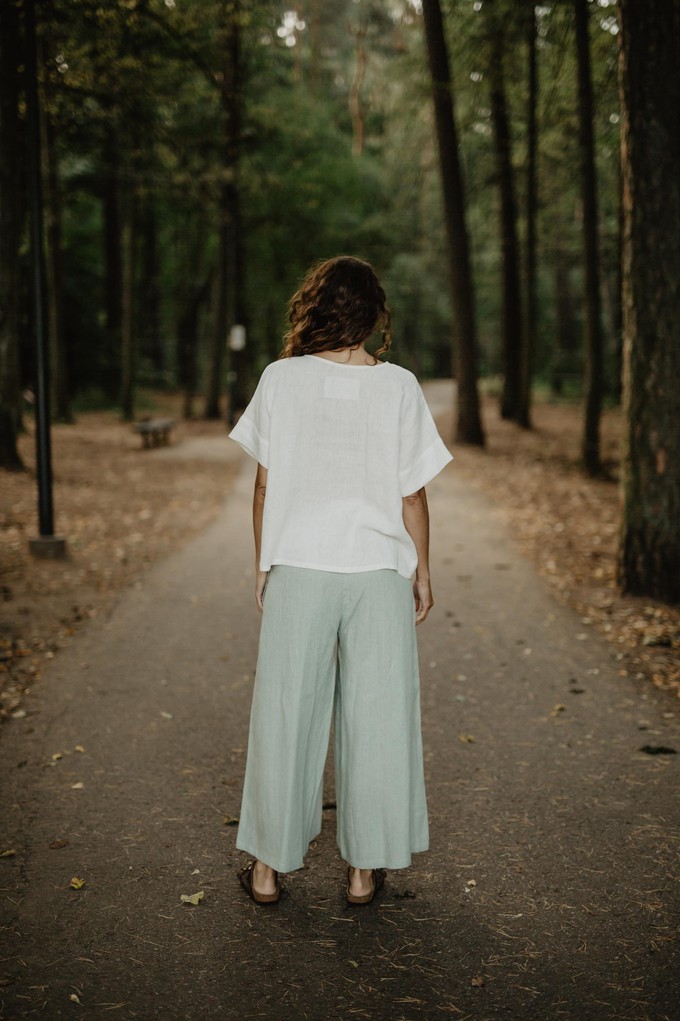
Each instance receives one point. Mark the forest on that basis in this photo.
(198, 155)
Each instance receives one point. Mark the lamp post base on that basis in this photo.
(48, 547)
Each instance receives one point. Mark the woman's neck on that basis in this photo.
(349, 356)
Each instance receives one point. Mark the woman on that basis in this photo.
(345, 445)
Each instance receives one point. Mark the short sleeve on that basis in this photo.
(422, 452)
(252, 429)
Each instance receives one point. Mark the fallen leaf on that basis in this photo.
(661, 641)
(57, 756)
(557, 709)
(192, 898)
(467, 738)
(74, 998)
(477, 980)
(79, 748)
(166, 716)
(76, 883)
(471, 882)
(56, 844)
(8, 854)
(230, 820)
(77, 786)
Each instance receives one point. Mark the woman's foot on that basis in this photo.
(363, 884)
(267, 890)
(360, 881)
(264, 878)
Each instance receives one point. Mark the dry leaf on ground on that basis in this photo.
(192, 898)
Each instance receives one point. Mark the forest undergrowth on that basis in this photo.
(122, 509)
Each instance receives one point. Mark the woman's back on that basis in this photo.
(343, 444)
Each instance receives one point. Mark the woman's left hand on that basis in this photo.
(260, 582)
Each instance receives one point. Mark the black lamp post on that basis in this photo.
(46, 544)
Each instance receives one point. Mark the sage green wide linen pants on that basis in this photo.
(341, 646)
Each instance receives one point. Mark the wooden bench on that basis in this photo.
(155, 432)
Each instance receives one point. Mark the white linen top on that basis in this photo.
(342, 444)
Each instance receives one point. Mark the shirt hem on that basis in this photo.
(335, 569)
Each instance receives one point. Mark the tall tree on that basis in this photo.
(229, 38)
(649, 57)
(149, 298)
(529, 330)
(591, 248)
(468, 427)
(112, 231)
(566, 332)
(187, 342)
(512, 300)
(10, 231)
(355, 97)
(128, 346)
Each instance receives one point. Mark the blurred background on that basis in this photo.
(199, 154)
(511, 169)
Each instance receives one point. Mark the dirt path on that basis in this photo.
(551, 888)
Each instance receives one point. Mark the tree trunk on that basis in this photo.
(187, 345)
(468, 427)
(529, 333)
(355, 110)
(314, 45)
(649, 57)
(230, 271)
(113, 259)
(512, 312)
(149, 302)
(218, 332)
(240, 361)
(11, 218)
(565, 327)
(617, 308)
(128, 346)
(592, 311)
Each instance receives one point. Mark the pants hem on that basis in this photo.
(271, 861)
(394, 864)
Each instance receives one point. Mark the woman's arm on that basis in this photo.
(259, 493)
(417, 522)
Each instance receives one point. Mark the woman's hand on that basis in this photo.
(422, 593)
(417, 523)
(260, 582)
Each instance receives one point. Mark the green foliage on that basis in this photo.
(134, 86)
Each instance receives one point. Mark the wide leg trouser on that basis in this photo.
(342, 646)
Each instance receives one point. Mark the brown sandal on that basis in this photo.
(366, 898)
(246, 880)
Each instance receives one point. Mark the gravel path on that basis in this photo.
(550, 891)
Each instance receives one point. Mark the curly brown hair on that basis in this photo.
(339, 304)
